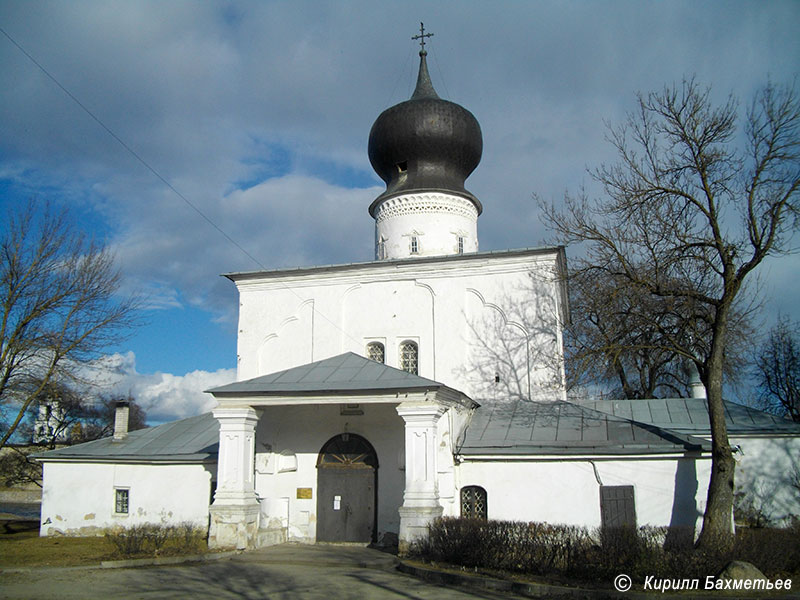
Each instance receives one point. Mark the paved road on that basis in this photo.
(281, 572)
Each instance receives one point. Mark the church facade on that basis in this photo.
(372, 398)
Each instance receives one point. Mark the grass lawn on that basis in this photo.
(21, 546)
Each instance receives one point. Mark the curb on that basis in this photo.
(166, 560)
(545, 590)
(529, 589)
(132, 562)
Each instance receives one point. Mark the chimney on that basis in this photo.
(696, 387)
(121, 420)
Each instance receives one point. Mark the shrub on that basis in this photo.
(575, 552)
(155, 540)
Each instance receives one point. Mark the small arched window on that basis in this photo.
(375, 351)
(409, 357)
(473, 502)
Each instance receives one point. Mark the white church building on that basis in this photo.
(372, 398)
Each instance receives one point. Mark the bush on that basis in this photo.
(600, 555)
(156, 540)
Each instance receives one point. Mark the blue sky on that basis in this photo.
(259, 112)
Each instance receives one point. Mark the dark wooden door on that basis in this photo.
(345, 504)
(346, 490)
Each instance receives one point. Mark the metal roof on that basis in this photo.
(417, 260)
(195, 439)
(564, 428)
(346, 373)
(690, 415)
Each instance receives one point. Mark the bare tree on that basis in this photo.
(777, 370)
(620, 339)
(96, 420)
(59, 307)
(78, 415)
(689, 212)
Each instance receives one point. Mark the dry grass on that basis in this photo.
(21, 546)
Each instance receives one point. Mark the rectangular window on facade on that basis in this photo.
(121, 501)
(461, 244)
(414, 244)
(617, 506)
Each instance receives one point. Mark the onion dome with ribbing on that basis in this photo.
(425, 144)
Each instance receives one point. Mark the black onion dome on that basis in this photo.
(425, 144)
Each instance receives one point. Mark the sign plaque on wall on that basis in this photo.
(304, 493)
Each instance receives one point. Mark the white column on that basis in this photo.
(234, 514)
(421, 498)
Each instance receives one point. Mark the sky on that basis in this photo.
(257, 115)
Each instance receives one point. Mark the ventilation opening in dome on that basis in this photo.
(402, 167)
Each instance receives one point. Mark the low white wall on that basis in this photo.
(567, 491)
(78, 498)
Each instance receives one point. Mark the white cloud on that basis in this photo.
(259, 113)
(164, 396)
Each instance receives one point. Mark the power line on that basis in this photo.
(130, 150)
(158, 175)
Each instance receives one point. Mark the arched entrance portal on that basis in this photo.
(347, 490)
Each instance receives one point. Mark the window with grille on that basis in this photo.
(375, 352)
(414, 244)
(473, 502)
(380, 249)
(409, 357)
(461, 244)
(121, 501)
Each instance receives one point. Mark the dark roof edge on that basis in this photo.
(240, 275)
(334, 392)
(569, 453)
(203, 458)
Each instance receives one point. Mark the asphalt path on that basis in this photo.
(282, 572)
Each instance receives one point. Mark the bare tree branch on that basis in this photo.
(687, 215)
(59, 307)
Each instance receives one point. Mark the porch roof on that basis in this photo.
(346, 374)
(563, 428)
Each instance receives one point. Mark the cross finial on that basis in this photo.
(421, 37)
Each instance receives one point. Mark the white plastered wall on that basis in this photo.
(78, 498)
(567, 491)
(288, 442)
(436, 219)
(766, 466)
(453, 309)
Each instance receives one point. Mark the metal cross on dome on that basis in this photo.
(421, 37)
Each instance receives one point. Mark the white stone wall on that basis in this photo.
(78, 498)
(567, 491)
(456, 310)
(288, 442)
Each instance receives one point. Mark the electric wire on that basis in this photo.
(158, 175)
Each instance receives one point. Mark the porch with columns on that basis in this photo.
(235, 511)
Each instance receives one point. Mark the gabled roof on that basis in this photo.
(690, 415)
(564, 428)
(191, 440)
(346, 373)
